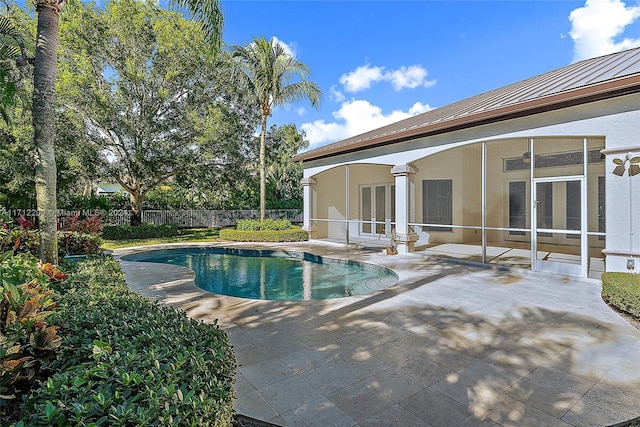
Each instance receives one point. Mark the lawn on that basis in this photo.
(186, 235)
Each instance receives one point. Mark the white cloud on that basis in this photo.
(289, 48)
(301, 111)
(596, 27)
(361, 78)
(336, 95)
(409, 77)
(353, 118)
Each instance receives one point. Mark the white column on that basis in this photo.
(308, 185)
(406, 236)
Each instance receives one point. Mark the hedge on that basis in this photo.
(622, 290)
(142, 231)
(126, 360)
(264, 225)
(292, 235)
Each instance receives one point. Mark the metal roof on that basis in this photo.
(579, 83)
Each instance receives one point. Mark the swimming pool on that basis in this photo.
(273, 275)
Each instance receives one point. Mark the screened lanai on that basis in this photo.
(533, 203)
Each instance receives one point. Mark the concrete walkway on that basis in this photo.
(449, 345)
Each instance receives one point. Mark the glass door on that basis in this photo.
(377, 209)
(559, 231)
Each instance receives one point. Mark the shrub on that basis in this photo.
(622, 290)
(292, 235)
(27, 341)
(74, 243)
(142, 231)
(128, 361)
(267, 224)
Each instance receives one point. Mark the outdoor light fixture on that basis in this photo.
(634, 166)
(526, 157)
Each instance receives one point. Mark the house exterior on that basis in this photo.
(541, 174)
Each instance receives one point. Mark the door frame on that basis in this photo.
(551, 266)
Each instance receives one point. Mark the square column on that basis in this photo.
(406, 238)
(308, 187)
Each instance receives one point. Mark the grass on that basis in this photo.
(186, 235)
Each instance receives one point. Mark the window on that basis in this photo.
(437, 203)
(517, 207)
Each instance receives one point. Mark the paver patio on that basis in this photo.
(448, 345)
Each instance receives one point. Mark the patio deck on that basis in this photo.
(449, 344)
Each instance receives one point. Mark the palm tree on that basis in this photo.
(208, 12)
(269, 73)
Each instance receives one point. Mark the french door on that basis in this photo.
(377, 209)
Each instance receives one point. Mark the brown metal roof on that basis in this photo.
(585, 81)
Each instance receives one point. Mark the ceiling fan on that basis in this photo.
(634, 165)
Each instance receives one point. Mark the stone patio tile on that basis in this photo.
(319, 413)
(510, 412)
(360, 401)
(394, 416)
(417, 344)
(329, 378)
(265, 373)
(303, 360)
(390, 353)
(453, 359)
(560, 380)
(423, 369)
(363, 365)
(473, 421)
(468, 391)
(289, 394)
(486, 373)
(253, 405)
(315, 337)
(242, 384)
(549, 400)
(395, 384)
(436, 408)
(336, 349)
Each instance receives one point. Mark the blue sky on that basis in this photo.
(377, 62)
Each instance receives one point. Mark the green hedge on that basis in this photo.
(622, 290)
(128, 361)
(294, 234)
(142, 231)
(267, 224)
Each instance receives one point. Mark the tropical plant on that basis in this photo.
(27, 341)
(270, 73)
(48, 11)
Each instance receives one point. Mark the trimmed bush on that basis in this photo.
(142, 231)
(292, 235)
(125, 360)
(267, 224)
(622, 290)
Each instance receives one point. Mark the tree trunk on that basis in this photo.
(263, 185)
(135, 217)
(44, 77)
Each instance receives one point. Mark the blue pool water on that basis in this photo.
(273, 275)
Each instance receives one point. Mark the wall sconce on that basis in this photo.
(634, 167)
(526, 157)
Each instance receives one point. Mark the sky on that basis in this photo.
(378, 62)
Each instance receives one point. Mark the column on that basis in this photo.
(406, 238)
(308, 186)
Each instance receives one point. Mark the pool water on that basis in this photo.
(273, 275)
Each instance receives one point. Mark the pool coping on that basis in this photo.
(360, 360)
